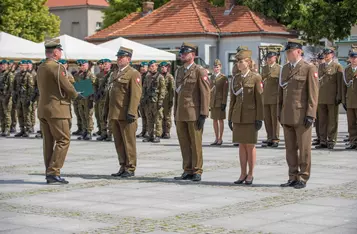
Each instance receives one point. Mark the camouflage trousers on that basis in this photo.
(13, 115)
(24, 114)
(5, 113)
(33, 114)
(105, 127)
(143, 118)
(97, 116)
(154, 119)
(78, 116)
(86, 114)
(166, 120)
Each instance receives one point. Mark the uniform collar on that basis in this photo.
(189, 66)
(246, 74)
(124, 68)
(218, 74)
(272, 65)
(328, 64)
(296, 63)
(354, 68)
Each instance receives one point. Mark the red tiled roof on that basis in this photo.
(179, 17)
(65, 3)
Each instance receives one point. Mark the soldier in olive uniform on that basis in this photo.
(246, 114)
(12, 69)
(85, 106)
(154, 92)
(33, 72)
(143, 71)
(54, 112)
(122, 104)
(270, 76)
(99, 76)
(218, 103)
(330, 78)
(320, 60)
(191, 108)
(79, 130)
(6, 89)
(168, 100)
(101, 94)
(23, 91)
(298, 94)
(349, 96)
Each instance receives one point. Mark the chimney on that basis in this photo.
(148, 7)
(228, 4)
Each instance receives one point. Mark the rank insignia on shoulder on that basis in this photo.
(316, 75)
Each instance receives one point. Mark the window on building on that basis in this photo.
(98, 26)
(231, 61)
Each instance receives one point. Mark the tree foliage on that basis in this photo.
(29, 19)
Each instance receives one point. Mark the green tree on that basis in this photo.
(118, 9)
(29, 19)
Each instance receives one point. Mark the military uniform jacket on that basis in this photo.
(298, 97)
(101, 83)
(219, 90)
(124, 94)
(24, 85)
(170, 89)
(330, 79)
(246, 104)
(349, 95)
(154, 88)
(192, 94)
(270, 76)
(55, 91)
(6, 83)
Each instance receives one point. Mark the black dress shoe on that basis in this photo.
(300, 185)
(330, 146)
(196, 177)
(346, 139)
(214, 143)
(321, 146)
(290, 183)
(249, 182)
(236, 144)
(184, 176)
(275, 145)
(127, 174)
(240, 181)
(219, 143)
(141, 134)
(20, 134)
(351, 147)
(265, 142)
(156, 140)
(101, 138)
(55, 180)
(315, 143)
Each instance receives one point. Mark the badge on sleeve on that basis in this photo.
(138, 80)
(205, 78)
(261, 85)
(316, 75)
(63, 73)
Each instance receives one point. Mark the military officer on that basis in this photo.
(143, 71)
(122, 104)
(168, 100)
(101, 94)
(247, 114)
(154, 93)
(191, 108)
(54, 112)
(235, 69)
(330, 78)
(24, 88)
(320, 60)
(85, 106)
(218, 103)
(6, 89)
(99, 76)
(270, 76)
(298, 94)
(349, 96)
(33, 72)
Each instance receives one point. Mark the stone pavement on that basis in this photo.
(153, 202)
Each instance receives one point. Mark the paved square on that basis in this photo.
(152, 202)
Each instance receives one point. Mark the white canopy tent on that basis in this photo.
(140, 52)
(74, 49)
(12, 47)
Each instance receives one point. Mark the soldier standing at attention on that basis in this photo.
(191, 109)
(154, 91)
(349, 97)
(218, 103)
(247, 114)
(320, 60)
(85, 106)
(54, 112)
(99, 76)
(298, 94)
(270, 76)
(143, 71)
(79, 131)
(168, 100)
(12, 69)
(122, 104)
(102, 92)
(330, 78)
(24, 88)
(6, 89)
(33, 101)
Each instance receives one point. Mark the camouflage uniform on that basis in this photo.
(168, 104)
(154, 93)
(24, 88)
(142, 110)
(79, 130)
(6, 89)
(85, 107)
(34, 101)
(99, 77)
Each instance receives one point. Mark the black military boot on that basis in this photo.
(6, 133)
(32, 130)
(331, 145)
(156, 140)
(274, 144)
(78, 132)
(316, 142)
(26, 134)
(88, 136)
(148, 139)
(109, 138)
(98, 133)
(142, 134)
(102, 137)
(12, 130)
(20, 134)
(321, 146)
(166, 136)
(81, 137)
(39, 135)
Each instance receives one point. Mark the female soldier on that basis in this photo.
(246, 114)
(219, 94)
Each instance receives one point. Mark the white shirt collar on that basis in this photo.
(327, 64)
(354, 68)
(272, 65)
(217, 74)
(245, 75)
(124, 68)
(294, 65)
(189, 66)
